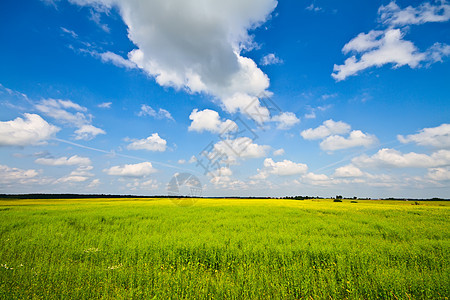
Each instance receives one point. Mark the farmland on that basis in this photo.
(224, 249)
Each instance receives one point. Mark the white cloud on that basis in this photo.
(94, 183)
(181, 161)
(88, 132)
(317, 179)
(356, 139)
(136, 170)
(147, 110)
(270, 59)
(115, 59)
(151, 143)
(196, 45)
(381, 47)
(392, 14)
(59, 110)
(348, 171)
(390, 48)
(284, 168)
(286, 120)
(64, 161)
(105, 105)
(209, 120)
(150, 184)
(95, 16)
(31, 130)
(393, 158)
(68, 31)
(15, 175)
(313, 7)
(439, 174)
(278, 152)
(328, 128)
(438, 137)
(242, 147)
(81, 174)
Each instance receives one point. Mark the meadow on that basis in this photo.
(224, 249)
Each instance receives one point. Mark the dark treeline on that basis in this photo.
(100, 196)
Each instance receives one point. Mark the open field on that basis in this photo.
(224, 248)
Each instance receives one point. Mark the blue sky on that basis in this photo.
(253, 97)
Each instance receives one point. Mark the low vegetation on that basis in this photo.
(223, 249)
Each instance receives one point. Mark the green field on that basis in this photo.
(224, 249)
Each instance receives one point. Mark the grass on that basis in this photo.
(223, 249)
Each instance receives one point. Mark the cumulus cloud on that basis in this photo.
(356, 139)
(286, 120)
(81, 174)
(331, 133)
(242, 147)
(88, 132)
(147, 110)
(395, 159)
(132, 170)
(197, 45)
(328, 128)
(393, 15)
(151, 143)
(10, 175)
(281, 168)
(316, 179)
(348, 171)
(64, 161)
(438, 137)
(270, 59)
(31, 130)
(72, 114)
(209, 120)
(116, 60)
(380, 47)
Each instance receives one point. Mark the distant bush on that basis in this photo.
(353, 201)
(337, 200)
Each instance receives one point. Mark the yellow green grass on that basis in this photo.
(223, 249)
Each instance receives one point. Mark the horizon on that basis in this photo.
(225, 98)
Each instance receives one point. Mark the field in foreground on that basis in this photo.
(223, 249)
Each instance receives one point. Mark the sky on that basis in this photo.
(247, 97)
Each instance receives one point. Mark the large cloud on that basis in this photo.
(72, 114)
(392, 14)
(381, 47)
(393, 158)
(438, 137)
(31, 130)
(132, 170)
(196, 45)
(10, 175)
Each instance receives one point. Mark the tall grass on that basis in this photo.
(223, 249)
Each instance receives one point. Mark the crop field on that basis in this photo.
(224, 249)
